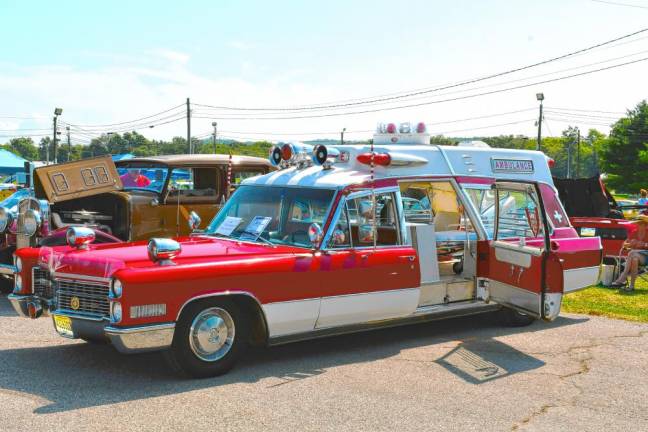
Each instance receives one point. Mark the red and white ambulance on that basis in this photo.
(338, 240)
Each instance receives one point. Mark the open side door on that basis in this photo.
(523, 272)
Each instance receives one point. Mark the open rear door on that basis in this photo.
(523, 272)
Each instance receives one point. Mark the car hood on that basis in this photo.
(105, 259)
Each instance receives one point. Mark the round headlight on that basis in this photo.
(18, 264)
(18, 283)
(116, 288)
(5, 219)
(116, 312)
(31, 222)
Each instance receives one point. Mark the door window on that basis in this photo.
(519, 214)
(197, 185)
(377, 210)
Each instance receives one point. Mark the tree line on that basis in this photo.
(622, 155)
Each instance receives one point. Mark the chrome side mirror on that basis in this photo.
(161, 250)
(79, 237)
(315, 234)
(194, 221)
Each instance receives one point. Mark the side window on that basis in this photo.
(484, 202)
(366, 211)
(200, 185)
(519, 214)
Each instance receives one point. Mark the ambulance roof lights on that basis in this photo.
(381, 159)
(304, 155)
(421, 128)
(551, 162)
(405, 128)
(391, 128)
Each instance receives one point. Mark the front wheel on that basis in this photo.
(513, 318)
(209, 338)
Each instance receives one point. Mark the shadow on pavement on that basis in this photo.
(83, 375)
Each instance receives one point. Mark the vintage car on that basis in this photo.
(132, 199)
(321, 247)
(594, 212)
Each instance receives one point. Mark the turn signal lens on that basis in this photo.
(18, 283)
(115, 312)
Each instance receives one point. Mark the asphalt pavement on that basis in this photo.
(579, 373)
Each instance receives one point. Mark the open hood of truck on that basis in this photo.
(585, 197)
(66, 181)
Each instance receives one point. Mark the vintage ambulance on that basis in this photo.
(337, 240)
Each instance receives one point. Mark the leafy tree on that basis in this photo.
(625, 152)
(23, 147)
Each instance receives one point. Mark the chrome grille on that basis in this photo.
(41, 284)
(93, 296)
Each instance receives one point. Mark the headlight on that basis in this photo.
(116, 288)
(18, 265)
(80, 237)
(31, 222)
(5, 219)
(115, 312)
(18, 283)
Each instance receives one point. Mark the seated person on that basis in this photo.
(133, 178)
(637, 256)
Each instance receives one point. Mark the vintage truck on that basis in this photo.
(323, 246)
(107, 198)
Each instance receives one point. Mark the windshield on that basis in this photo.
(148, 177)
(278, 215)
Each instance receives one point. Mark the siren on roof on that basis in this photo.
(300, 155)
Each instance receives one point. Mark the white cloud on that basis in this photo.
(239, 45)
(174, 56)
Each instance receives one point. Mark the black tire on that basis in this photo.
(96, 341)
(184, 357)
(513, 318)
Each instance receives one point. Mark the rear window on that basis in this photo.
(554, 209)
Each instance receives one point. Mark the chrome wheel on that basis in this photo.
(212, 334)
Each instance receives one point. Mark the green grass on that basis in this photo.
(610, 302)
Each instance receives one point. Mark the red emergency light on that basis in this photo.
(551, 162)
(391, 128)
(286, 152)
(382, 159)
(420, 128)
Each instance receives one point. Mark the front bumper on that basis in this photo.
(131, 340)
(20, 302)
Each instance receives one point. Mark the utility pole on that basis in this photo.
(578, 140)
(67, 129)
(215, 125)
(569, 158)
(342, 136)
(189, 143)
(57, 112)
(539, 97)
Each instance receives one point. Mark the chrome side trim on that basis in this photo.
(71, 276)
(78, 316)
(420, 316)
(221, 294)
(518, 298)
(132, 340)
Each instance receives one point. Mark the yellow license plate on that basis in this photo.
(63, 325)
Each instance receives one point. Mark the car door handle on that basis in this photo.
(409, 258)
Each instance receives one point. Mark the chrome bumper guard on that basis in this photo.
(20, 302)
(131, 340)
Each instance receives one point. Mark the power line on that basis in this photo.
(587, 110)
(416, 93)
(132, 121)
(234, 115)
(437, 101)
(620, 4)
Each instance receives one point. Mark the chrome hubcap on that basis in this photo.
(212, 334)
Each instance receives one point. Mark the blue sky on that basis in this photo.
(107, 62)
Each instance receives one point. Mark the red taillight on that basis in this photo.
(391, 128)
(286, 152)
(420, 128)
(382, 159)
(551, 162)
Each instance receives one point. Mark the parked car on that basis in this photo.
(594, 212)
(313, 251)
(132, 199)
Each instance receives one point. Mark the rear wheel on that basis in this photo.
(513, 318)
(209, 337)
